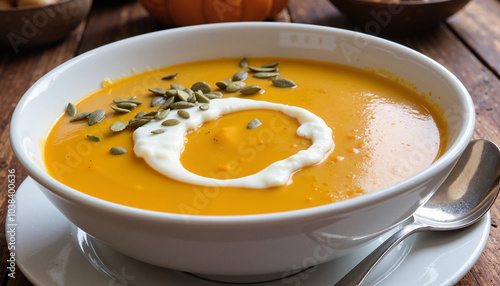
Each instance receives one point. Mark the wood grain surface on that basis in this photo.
(468, 44)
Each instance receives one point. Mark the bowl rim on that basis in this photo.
(68, 193)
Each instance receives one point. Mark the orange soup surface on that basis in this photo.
(383, 132)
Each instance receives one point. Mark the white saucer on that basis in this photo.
(52, 251)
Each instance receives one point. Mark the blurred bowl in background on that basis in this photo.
(38, 25)
(398, 16)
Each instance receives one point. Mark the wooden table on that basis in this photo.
(468, 45)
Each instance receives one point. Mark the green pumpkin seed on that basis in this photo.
(213, 95)
(182, 95)
(254, 124)
(204, 107)
(96, 116)
(235, 86)
(118, 109)
(167, 103)
(176, 86)
(140, 114)
(200, 97)
(163, 114)
(266, 74)
(251, 89)
(183, 114)
(118, 126)
(123, 99)
(240, 76)
(117, 150)
(71, 109)
(271, 65)
(171, 93)
(137, 122)
(158, 131)
(157, 100)
(170, 122)
(223, 83)
(243, 63)
(257, 69)
(151, 114)
(158, 90)
(192, 97)
(136, 102)
(170, 76)
(126, 105)
(203, 86)
(283, 82)
(181, 105)
(80, 116)
(94, 138)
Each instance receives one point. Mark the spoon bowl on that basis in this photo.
(465, 197)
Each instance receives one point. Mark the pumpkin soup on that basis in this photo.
(292, 134)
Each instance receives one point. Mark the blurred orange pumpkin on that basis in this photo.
(193, 12)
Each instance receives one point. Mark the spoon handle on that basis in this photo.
(358, 274)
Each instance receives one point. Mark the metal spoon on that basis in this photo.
(464, 197)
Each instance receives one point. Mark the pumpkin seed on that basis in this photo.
(251, 89)
(243, 63)
(94, 138)
(257, 69)
(157, 100)
(213, 95)
(151, 114)
(157, 90)
(182, 95)
(162, 115)
(140, 114)
(158, 131)
(183, 114)
(235, 86)
(123, 99)
(118, 109)
(266, 74)
(192, 97)
(176, 86)
(223, 83)
(118, 126)
(254, 124)
(170, 76)
(181, 105)
(136, 102)
(96, 116)
(80, 116)
(117, 150)
(283, 82)
(126, 105)
(204, 107)
(203, 86)
(71, 109)
(137, 122)
(167, 103)
(171, 93)
(240, 76)
(271, 65)
(170, 122)
(200, 97)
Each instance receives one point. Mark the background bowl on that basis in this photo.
(398, 17)
(230, 247)
(37, 25)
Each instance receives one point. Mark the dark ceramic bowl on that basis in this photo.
(38, 25)
(397, 17)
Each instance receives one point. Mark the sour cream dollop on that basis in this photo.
(163, 151)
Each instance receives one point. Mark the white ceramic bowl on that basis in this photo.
(253, 245)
